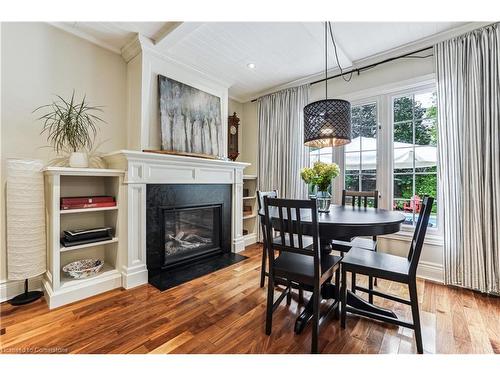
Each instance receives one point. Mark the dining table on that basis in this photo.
(342, 222)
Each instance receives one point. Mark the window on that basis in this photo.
(360, 156)
(414, 153)
(393, 149)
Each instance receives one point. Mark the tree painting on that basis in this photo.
(190, 119)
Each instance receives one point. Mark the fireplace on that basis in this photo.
(190, 232)
(185, 223)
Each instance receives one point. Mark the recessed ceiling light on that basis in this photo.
(251, 66)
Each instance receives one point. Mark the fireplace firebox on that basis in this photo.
(191, 232)
(185, 223)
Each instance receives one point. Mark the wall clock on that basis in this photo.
(233, 124)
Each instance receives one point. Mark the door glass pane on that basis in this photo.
(403, 108)
(352, 182)
(414, 154)
(361, 154)
(368, 182)
(352, 162)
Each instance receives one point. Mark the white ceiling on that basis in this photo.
(283, 52)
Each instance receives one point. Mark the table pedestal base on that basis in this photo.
(330, 292)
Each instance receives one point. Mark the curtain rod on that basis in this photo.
(359, 70)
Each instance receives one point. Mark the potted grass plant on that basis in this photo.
(321, 176)
(71, 125)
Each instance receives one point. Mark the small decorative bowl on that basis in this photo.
(83, 268)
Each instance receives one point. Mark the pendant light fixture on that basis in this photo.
(327, 122)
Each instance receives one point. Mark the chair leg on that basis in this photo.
(416, 316)
(337, 290)
(301, 295)
(270, 301)
(370, 287)
(343, 298)
(315, 322)
(263, 267)
(289, 294)
(353, 282)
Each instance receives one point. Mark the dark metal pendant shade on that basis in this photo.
(327, 123)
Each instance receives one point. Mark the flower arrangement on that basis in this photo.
(320, 175)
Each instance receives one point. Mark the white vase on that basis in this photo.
(78, 160)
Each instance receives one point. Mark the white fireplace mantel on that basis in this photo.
(142, 168)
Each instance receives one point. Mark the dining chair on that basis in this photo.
(360, 199)
(260, 201)
(393, 268)
(299, 259)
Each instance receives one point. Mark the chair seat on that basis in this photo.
(381, 265)
(307, 241)
(345, 245)
(302, 266)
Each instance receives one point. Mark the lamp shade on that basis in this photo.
(327, 123)
(26, 246)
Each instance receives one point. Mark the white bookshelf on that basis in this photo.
(250, 220)
(60, 289)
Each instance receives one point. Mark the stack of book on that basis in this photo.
(84, 236)
(73, 203)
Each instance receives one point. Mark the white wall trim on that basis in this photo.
(11, 288)
(370, 94)
(431, 271)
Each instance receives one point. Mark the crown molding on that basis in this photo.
(133, 47)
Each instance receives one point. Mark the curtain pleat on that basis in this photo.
(468, 80)
(281, 142)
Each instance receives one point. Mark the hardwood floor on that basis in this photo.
(224, 312)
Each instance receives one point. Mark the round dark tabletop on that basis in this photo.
(349, 221)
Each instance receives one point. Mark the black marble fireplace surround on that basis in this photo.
(188, 231)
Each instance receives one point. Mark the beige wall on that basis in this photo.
(234, 106)
(250, 137)
(38, 61)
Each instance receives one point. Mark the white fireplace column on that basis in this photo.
(142, 168)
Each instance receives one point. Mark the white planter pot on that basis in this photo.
(78, 160)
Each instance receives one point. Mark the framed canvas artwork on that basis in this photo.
(190, 119)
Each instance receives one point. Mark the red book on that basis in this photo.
(87, 205)
(86, 200)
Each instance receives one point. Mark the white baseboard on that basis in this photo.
(238, 244)
(11, 288)
(250, 239)
(431, 271)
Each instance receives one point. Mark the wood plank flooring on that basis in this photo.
(224, 312)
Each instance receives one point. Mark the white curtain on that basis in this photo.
(281, 142)
(468, 79)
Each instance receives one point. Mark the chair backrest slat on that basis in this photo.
(360, 197)
(419, 234)
(260, 202)
(292, 225)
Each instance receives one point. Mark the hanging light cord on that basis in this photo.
(336, 55)
(326, 61)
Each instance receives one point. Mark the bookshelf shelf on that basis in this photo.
(87, 245)
(95, 209)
